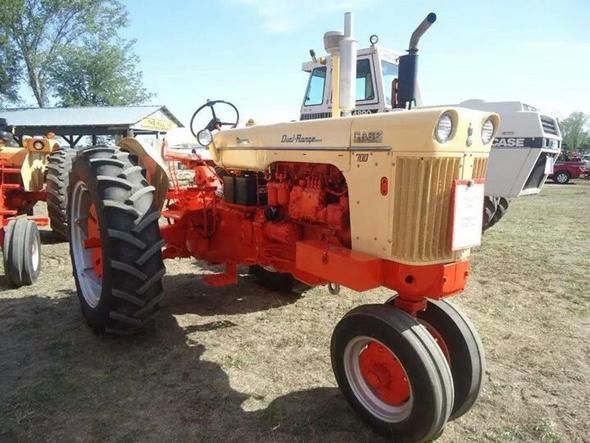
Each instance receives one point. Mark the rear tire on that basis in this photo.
(489, 210)
(59, 166)
(501, 209)
(22, 252)
(120, 285)
(465, 352)
(375, 386)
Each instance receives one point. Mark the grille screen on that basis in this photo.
(548, 125)
(480, 167)
(421, 208)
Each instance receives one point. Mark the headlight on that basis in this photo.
(444, 128)
(487, 131)
(38, 145)
(204, 137)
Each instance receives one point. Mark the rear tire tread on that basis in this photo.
(132, 265)
(59, 166)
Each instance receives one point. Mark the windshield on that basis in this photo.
(315, 88)
(389, 73)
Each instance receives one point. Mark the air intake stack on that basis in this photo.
(342, 47)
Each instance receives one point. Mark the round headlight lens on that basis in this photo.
(38, 145)
(444, 128)
(204, 137)
(487, 131)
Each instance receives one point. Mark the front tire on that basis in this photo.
(115, 242)
(22, 252)
(392, 372)
(462, 347)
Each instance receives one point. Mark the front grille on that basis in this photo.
(549, 125)
(320, 115)
(421, 208)
(315, 116)
(480, 167)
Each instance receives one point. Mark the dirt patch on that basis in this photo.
(246, 364)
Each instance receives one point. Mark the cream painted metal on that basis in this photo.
(420, 172)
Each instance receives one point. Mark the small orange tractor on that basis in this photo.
(24, 172)
(388, 200)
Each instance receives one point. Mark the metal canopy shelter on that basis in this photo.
(74, 123)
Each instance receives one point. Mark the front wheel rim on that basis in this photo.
(84, 246)
(35, 256)
(562, 178)
(378, 379)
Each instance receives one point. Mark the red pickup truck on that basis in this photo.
(564, 170)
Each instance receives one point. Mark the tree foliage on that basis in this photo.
(574, 130)
(43, 33)
(9, 73)
(99, 73)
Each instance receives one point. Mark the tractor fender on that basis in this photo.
(33, 171)
(151, 159)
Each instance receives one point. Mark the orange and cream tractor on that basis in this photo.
(22, 185)
(388, 200)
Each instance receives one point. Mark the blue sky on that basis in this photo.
(250, 51)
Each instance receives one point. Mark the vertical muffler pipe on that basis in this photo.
(347, 51)
(408, 66)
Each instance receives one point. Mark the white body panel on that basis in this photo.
(525, 147)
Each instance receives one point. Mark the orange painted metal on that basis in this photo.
(93, 241)
(14, 200)
(384, 374)
(362, 272)
(354, 270)
(304, 229)
(384, 186)
(440, 341)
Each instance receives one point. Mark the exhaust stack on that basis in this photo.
(408, 66)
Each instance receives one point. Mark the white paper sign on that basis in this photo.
(467, 215)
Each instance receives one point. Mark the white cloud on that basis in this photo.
(282, 16)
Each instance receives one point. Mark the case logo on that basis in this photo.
(368, 136)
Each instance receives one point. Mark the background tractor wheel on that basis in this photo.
(275, 281)
(562, 178)
(392, 372)
(501, 209)
(59, 165)
(462, 347)
(22, 252)
(489, 209)
(115, 242)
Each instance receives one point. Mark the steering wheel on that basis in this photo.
(215, 122)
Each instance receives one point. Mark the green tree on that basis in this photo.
(99, 73)
(44, 32)
(9, 73)
(574, 130)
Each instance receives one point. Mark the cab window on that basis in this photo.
(364, 80)
(315, 88)
(390, 72)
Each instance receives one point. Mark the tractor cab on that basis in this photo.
(376, 75)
